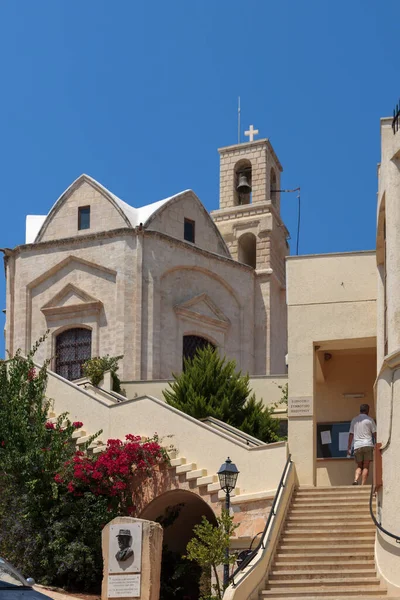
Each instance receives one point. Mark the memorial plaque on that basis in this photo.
(124, 586)
(301, 406)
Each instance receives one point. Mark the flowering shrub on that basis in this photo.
(54, 501)
(111, 473)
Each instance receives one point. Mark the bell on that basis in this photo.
(243, 186)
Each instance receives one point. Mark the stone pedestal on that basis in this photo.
(132, 551)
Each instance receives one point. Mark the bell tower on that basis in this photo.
(250, 223)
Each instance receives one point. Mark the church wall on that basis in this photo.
(170, 221)
(103, 215)
(107, 274)
(179, 275)
(324, 304)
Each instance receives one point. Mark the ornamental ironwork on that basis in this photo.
(73, 348)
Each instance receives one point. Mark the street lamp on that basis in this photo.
(228, 475)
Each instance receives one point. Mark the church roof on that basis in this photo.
(135, 216)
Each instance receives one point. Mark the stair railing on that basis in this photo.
(266, 534)
(377, 524)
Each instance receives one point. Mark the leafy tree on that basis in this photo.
(209, 545)
(210, 386)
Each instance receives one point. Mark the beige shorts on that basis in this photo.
(363, 454)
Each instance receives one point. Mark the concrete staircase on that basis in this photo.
(191, 473)
(326, 548)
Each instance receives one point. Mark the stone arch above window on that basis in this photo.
(242, 173)
(247, 249)
(192, 343)
(73, 348)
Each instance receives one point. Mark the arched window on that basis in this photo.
(73, 348)
(273, 187)
(247, 253)
(191, 343)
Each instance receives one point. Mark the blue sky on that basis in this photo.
(140, 95)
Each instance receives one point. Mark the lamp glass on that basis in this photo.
(228, 475)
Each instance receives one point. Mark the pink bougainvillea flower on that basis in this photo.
(49, 425)
(77, 424)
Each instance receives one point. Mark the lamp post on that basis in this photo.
(228, 475)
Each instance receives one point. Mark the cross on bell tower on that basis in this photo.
(250, 133)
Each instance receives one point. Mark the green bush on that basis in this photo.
(210, 386)
(94, 370)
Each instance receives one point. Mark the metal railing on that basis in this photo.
(271, 516)
(378, 525)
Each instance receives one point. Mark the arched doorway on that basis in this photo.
(73, 348)
(178, 511)
(192, 343)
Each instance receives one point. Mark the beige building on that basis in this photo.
(154, 283)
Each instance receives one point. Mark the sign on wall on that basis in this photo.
(301, 406)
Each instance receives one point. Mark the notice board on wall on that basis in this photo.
(332, 439)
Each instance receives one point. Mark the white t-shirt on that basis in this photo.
(362, 427)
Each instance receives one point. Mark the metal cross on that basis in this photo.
(251, 132)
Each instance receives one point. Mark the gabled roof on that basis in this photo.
(36, 224)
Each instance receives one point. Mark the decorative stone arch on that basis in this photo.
(247, 249)
(242, 167)
(191, 342)
(55, 338)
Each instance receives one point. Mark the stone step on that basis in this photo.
(342, 593)
(326, 582)
(313, 509)
(186, 468)
(84, 439)
(335, 522)
(322, 574)
(214, 487)
(196, 474)
(210, 479)
(328, 501)
(78, 433)
(339, 545)
(333, 489)
(315, 562)
(323, 515)
(334, 532)
(99, 449)
(177, 462)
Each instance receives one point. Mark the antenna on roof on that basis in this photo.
(239, 120)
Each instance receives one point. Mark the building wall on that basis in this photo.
(173, 306)
(170, 221)
(64, 221)
(388, 362)
(105, 270)
(332, 301)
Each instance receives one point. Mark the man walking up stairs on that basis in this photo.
(326, 548)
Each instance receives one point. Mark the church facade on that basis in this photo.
(154, 283)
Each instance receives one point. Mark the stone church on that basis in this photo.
(156, 282)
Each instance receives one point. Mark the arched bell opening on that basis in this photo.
(247, 251)
(243, 182)
(178, 511)
(273, 187)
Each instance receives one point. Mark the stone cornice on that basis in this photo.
(125, 231)
(392, 360)
(253, 144)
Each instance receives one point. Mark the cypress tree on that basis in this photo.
(210, 386)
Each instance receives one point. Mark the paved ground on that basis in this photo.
(58, 595)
